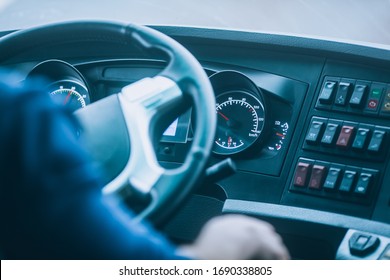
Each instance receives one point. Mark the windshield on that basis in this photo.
(351, 20)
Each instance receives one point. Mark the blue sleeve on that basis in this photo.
(51, 202)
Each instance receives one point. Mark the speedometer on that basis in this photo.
(241, 118)
(70, 94)
(67, 85)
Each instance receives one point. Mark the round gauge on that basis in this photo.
(67, 85)
(241, 118)
(68, 93)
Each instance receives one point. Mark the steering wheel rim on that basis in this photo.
(181, 83)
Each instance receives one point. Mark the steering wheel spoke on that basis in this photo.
(144, 104)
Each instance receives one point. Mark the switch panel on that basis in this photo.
(354, 96)
(358, 140)
(334, 181)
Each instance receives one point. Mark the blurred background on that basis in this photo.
(357, 20)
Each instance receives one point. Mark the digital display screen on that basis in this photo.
(177, 132)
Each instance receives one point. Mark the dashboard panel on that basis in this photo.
(316, 135)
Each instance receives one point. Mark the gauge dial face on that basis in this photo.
(70, 94)
(241, 120)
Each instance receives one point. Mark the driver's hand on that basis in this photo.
(237, 237)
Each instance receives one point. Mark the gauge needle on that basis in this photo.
(68, 96)
(223, 116)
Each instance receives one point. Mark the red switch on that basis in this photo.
(345, 136)
(317, 176)
(301, 172)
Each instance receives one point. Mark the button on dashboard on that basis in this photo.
(326, 96)
(301, 174)
(363, 183)
(358, 96)
(374, 98)
(317, 177)
(376, 142)
(332, 179)
(345, 136)
(347, 181)
(361, 138)
(342, 94)
(314, 132)
(330, 133)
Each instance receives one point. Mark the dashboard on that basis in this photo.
(305, 122)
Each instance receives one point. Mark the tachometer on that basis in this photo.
(241, 118)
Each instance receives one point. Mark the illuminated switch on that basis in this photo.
(317, 177)
(327, 92)
(332, 179)
(363, 183)
(342, 94)
(358, 96)
(347, 181)
(372, 104)
(345, 136)
(374, 98)
(376, 141)
(301, 174)
(361, 138)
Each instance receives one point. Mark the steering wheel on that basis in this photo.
(130, 123)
